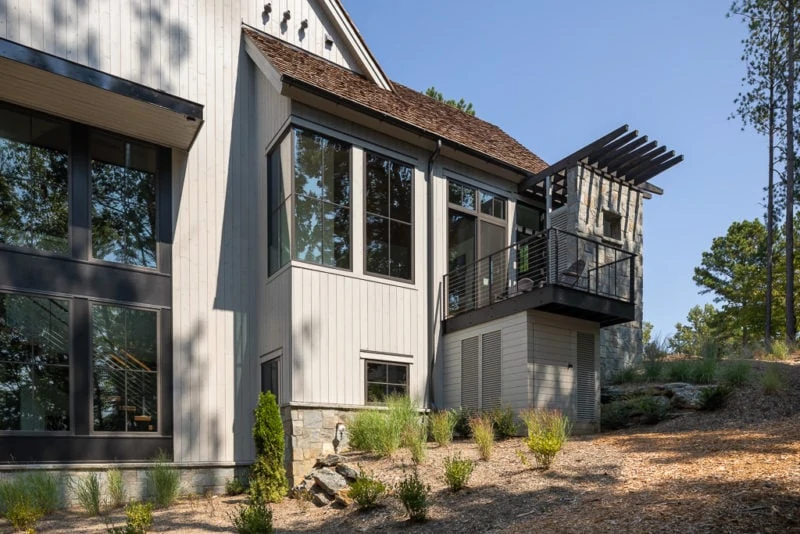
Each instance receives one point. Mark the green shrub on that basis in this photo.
(413, 493)
(442, 425)
(268, 476)
(116, 488)
(27, 498)
(650, 409)
(457, 471)
(505, 426)
(23, 515)
(772, 380)
(415, 438)
(140, 516)
(548, 430)
(234, 486)
(779, 350)
(736, 374)
(366, 491)
(255, 518)
(653, 369)
(87, 493)
(163, 481)
(714, 397)
(614, 415)
(679, 371)
(483, 434)
(703, 371)
(462, 416)
(625, 376)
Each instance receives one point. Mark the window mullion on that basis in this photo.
(80, 193)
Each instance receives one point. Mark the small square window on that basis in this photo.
(384, 379)
(612, 225)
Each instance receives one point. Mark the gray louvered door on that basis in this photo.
(490, 370)
(586, 382)
(469, 373)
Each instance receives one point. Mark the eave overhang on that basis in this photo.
(42, 81)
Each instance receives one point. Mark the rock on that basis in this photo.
(686, 395)
(328, 480)
(343, 498)
(347, 471)
(320, 499)
(330, 460)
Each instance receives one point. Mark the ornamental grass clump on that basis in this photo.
(268, 476)
(163, 481)
(457, 471)
(87, 493)
(772, 381)
(736, 374)
(415, 438)
(116, 488)
(548, 430)
(483, 434)
(442, 424)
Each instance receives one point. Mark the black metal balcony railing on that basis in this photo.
(552, 257)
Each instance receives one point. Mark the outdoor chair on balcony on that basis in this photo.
(573, 273)
(523, 285)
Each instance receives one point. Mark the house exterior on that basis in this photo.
(203, 200)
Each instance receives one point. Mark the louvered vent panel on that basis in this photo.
(491, 366)
(586, 385)
(469, 373)
(560, 246)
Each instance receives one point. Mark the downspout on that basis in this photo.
(431, 283)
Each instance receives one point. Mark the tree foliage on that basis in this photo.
(460, 104)
(268, 475)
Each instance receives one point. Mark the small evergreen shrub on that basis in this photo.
(483, 434)
(163, 481)
(457, 471)
(116, 488)
(442, 425)
(614, 415)
(736, 374)
(462, 427)
(650, 409)
(366, 491)
(548, 430)
(714, 397)
(234, 486)
(413, 493)
(505, 426)
(87, 493)
(254, 518)
(268, 476)
(772, 381)
(139, 516)
(415, 437)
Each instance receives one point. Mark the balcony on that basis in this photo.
(553, 271)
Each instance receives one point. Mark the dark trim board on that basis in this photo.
(553, 299)
(98, 79)
(49, 448)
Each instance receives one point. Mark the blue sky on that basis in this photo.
(557, 75)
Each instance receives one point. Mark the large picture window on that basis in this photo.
(34, 181)
(123, 201)
(34, 363)
(322, 199)
(125, 369)
(384, 379)
(389, 207)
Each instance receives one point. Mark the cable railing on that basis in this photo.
(549, 258)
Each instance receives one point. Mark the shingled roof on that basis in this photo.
(403, 104)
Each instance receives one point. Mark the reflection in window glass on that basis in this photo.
(279, 244)
(34, 173)
(269, 376)
(124, 369)
(493, 205)
(385, 379)
(389, 206)
(461, 195)
(34, 363)
(123, 201)
(322, 199)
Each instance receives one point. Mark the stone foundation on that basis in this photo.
(311, 433)
(194, 479)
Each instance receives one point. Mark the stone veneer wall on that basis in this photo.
(194, 479)
(311, 432)
(621, 345)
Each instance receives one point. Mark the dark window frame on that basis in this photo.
(612, 225)
(411, 223)
(81, 280)
(286, 203)
(276, 360)
(387, 383)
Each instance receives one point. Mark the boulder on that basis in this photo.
(343, 498)
(330, 460)
(320, 499)
(329, 481)
(347, 471)
(686, 395)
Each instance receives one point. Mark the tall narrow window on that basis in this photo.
(123, 201)
(34, 174)
(322, 199)
(125, 369)
(269, 376)
(279, 195)
(389, 208)
(34, 363)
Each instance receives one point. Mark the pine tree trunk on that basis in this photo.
(790, 155)
(770, 214)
